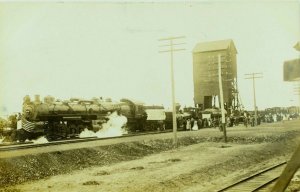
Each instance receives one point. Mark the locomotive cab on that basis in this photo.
(135, 113)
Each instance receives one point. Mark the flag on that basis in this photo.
(27, 125)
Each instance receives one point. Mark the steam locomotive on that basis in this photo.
(57, 119)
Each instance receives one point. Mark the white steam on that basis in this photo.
(40, 140)
(87, 133)
(112, 128)
(19, 124)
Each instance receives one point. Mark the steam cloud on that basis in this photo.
(40, 140)
(112, 128)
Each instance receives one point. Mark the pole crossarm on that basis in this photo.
(253, 77)
(171, 50)
(253, 73)
(171, 38)
(173, 44)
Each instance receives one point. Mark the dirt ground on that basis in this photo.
(197, 165)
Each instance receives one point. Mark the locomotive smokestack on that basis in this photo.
(26, 99)
(37, 99)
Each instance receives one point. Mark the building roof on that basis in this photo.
(297, 46)
(214, 46)
(294, 61)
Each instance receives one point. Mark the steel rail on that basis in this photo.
(69, 141)
(258, 183)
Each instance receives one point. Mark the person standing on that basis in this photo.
(188, 124)
(246, 121)
(195, 126)
(192, 122)
(199, 123)
(252, 120)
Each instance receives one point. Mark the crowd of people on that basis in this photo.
(275, 117)
(247, 119)
(198, 123)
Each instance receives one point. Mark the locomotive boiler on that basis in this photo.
(57, 119)
(61, 119)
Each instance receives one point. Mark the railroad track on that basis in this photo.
(256, 181)
(77, 140)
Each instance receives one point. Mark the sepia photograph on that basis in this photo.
(150, 96)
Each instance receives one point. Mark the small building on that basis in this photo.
(205, 74)
(291, 70)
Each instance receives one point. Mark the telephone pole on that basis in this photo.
(220, 81)
(254, 76)
(171, 49)
(221, 98)
(297, 92)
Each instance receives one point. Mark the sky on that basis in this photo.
(86, 50)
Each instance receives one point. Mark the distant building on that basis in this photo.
(205, 73)
(291, 68)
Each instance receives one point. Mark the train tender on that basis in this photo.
(156, 118)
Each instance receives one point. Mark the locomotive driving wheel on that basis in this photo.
(72, 130)
(80, 129)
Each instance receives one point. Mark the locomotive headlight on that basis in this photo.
(28, 112)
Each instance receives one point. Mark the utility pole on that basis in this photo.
(221, 98)
(292, 166)
(171, 50)
(220, 81)
(254, 76)
(297, 92)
